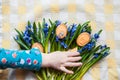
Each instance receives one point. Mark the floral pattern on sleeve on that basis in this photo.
(25, 59)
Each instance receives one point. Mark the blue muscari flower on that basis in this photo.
(26, 36)
(96, 55)
(45, 29)
(58, 22)
(69, 29)
(26, 32)
(57, 39)
(84, 48)
(16, 38)
(96, 36)
(105, 54)
(83, 30)
(80, 51)
(46, 25)
(27, 39)
(89, 46)
(63, 44)
(73, 29)
(28, 27)
(104, 46)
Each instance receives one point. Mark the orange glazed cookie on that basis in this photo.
(39, 46)
(83, 39)
(61, 31)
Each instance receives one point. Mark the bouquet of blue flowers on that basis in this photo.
(59, 36)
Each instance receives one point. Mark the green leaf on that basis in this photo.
(39, 31)
(75, 34)
(34, 28)
(48, 36)
(99, 32)
(91, 53)
(29, 24)
(21, 44)
(43, 23)
(50, 22)
(21, 36)
(86, 23)
(88, 29)
(41, 34)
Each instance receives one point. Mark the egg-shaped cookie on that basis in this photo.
(39, 46)
(61, 31)
(83, 39)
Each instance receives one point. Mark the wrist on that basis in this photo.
(45, 60)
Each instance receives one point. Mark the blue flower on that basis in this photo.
(83, 30)
(96, 55)
(103, 47)
(105, 54)
(16, 38)
(69, 29)
(45, 25)
(73, 29)
(96, 36)
(28, 27)
(84, 48)
(45, 29)
(57, 39)
(80, 51)
(88, 46)
(63, 44)
(27, 35)
(27, 39)
(58, 22)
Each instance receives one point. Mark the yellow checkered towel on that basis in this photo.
(103, 14)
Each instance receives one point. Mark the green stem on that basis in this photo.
(44, 74)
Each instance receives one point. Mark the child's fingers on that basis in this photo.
(64, 69)
(71, 64)
(70, 54)
(73, 59)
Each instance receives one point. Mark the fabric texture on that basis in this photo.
(24, 59)
(103, 14)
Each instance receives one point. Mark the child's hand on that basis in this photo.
(61, 60)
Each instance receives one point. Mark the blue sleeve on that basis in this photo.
(25, 59)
